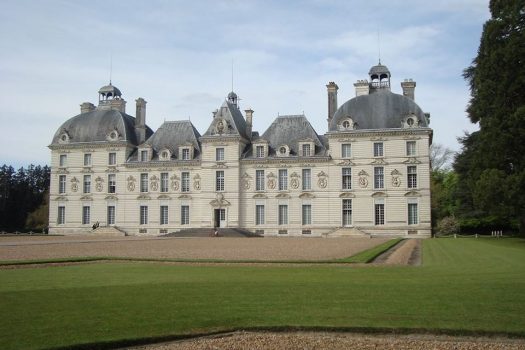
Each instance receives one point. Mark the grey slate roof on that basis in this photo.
(289, 130)
(236, 125)
(378, 69)
(380, 110)
(173, 134)
(96, 125)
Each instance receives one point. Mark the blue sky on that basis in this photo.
(177, 55)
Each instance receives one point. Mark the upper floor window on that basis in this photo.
(112, 158)
(259, 151)
(185, 181)
(163, 182)
(144, 155)
(143, 182)
(219, 180)
(378, 149)
(346, 150)
(185, 154)
(62, 184)
(411, 148)
(346, 178)
(219, 154)
(87, 184)
(63, 160)
(379, 177)
(112, 183)
(87, 159)
(412, 176)
(307, 179)
(283, 179)
(306, 149)
(259, 180)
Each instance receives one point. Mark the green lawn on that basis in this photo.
(464, 285)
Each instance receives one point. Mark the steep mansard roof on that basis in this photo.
(235, 123)
(173, 134)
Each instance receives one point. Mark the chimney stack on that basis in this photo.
(362, 88)
(332, 100)
(408, 86)
(140, 120)
(249, 122)
(86, 107)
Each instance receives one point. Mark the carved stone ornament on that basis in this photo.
(219, 201)
(174, 182)
(154, 183)
(74, 184)
(271, 181)
(246, 184)
(98, 184)
(197, 182)
(294, 182)
(363, 182)
(131, 183)
(396, 178)
(323, 181)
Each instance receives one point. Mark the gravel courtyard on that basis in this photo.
(264, 249)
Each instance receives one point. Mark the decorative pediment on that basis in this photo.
(378, 138)
(260, 196)
(306, 195)
(346, 162)
(111, 198)
(86, 170)
(283, 196)
(112, 169)
(61, 198)
(379, 194)
(184, 196)
(380, 161)
(395, 172)
(62, 171)
(347, 195)
(144, 196)
(363, 173)
(219, 165)
(322, 174)
(413, 193)
(412, 160)
(270, 175)
(86, 198)
(259, 141)
(246, 176)
(219, 201)
(163, 196)
(346, 140)
(294, 174)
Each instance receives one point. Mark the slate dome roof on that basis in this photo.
(379, 69)
(110, 90)
(379, 110)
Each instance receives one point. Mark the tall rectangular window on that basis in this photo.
(259, 214)
(143, 182)
(283, 179)
(185, 181)
(184, 215)
(185, 154)
(61, 218)
(163, 214)
(63, 160)
(346, 178)
(87, 159)
(144, 156)
(307, 179)
(111, 215)
(259, 180)
(86, 215)
(307, 214)
(378, 149)
(87, 184)
(347, 212)
(379, 177)
(259, 151)
(306, 150)
(412, 214)
(379, 212)
(412, 176)
(219, 154)
(411, 148)
(283, 214)
(112, 158)
(219, 180)
(346, 150)
(112, 183)
(143, 214)
(62, 184)
(164, 182)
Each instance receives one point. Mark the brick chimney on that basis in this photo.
(86, 107)
(362, 87)
(332, 100)
(140, 120)
(408, 86)
(249, 122)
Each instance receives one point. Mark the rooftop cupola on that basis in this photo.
(110, 97)
(232, 98)
(379, 78)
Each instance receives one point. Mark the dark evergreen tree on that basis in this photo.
(491, 166)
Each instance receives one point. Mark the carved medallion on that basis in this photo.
(98, 184)
(74, 184)
(154, 183)
(197, 182)
(131, 183)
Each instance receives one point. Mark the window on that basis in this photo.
(185, 186)
(411, 148)
(259, 214)
(379, 213)
(282, 150)
(219, 154)
(144, 156)
(62, 184)
(165, 155)
(283, 179)
(378, 149)
(143, 182)
(112, 183)
(307, 179)
(111, 215)
(307, 214)
(259, 180)
(412, 176)
(259, 151)
(87, 184)
(163, 214)
(306, 150)
(164, 182)
(283, 214)
(184, 215)
(347, 212)
(185, 154)
(219, 180)
(412, 213)
(346, 178)
(86, 213)
(61, 218)
(346, 150)
(63, 160)
(87, 159)
(379, 181)
(143, 214)
(112, 158)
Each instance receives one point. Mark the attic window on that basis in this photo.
(347, 124)
(144, 155)
(64, 138)
(165, 155)
(282, 150)
(410, 122)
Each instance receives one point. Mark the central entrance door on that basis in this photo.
(219, 219)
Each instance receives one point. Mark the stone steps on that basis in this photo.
(108, 231)
(348, 232)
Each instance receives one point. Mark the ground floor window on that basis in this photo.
(379, 213)
(412, 214)
(143, 214)
(163, 214)
(61, 219)
(86, 215)
(111, 215)
(347, 212)
(184, 215)
(259, 215)
(283, 214)
(307, 214)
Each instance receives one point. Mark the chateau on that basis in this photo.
(368, 174)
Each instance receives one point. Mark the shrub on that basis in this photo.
(448, 226)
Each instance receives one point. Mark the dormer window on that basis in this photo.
(410, 121)
(186, 152)
(283, 151)
(113, 136)
(144, 156)
(165, 154)
(347, 124)
(64, 137)
(306, 148)
(260, 149)
(87, 159)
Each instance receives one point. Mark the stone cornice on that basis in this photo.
(378, 133)
(286, 160)
(164, 164)
(83, 145)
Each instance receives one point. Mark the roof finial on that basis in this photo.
(379, 46)
(232, 74)
(110, 66)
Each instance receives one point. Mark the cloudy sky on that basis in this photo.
(178, 55)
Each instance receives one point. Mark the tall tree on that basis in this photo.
(491, 166)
